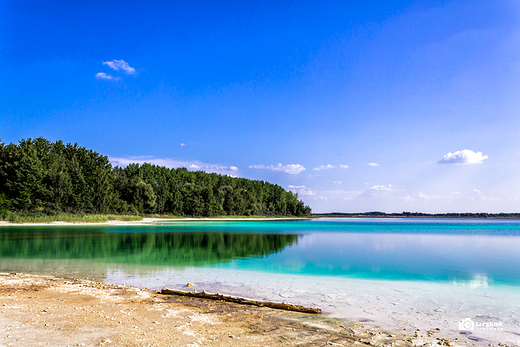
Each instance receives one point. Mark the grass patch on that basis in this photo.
(69, 217)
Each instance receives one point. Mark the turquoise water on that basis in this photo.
(446, 250)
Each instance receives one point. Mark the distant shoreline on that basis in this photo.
(420, 215)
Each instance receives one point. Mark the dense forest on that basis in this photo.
(40, 176)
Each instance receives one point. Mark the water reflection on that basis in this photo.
(142, 248)
(476, 260)
(479, 254)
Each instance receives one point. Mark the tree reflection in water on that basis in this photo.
(142, 248)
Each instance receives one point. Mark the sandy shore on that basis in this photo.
(50, 311)
(145, 221)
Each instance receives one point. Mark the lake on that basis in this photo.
(393, 272)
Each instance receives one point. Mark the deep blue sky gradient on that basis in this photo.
(397, 83)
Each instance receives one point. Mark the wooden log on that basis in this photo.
(218, 296)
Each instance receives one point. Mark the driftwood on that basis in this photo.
(278, 305)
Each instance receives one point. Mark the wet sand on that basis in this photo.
(50, 311)
(403, 306)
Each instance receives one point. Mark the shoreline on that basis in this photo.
(399, 306)
(152, 220)
(396, 216)
(146, 221)
(36, 310)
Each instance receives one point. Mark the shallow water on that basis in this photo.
(414, 273)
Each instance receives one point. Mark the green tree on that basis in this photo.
(47, 177)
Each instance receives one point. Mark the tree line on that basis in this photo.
(40, 176)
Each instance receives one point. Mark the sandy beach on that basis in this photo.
(50, 311)
(145, 221)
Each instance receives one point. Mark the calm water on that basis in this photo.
(465, 251)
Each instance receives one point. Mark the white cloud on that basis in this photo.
(378, 188)
(434, 199)
(338, 182)
(328, 166)
(373, 164)
(465, 156)
(292, 169)
(337, 195)
(120, 65)
(104, 76)
(430, 197)
(183, 144)
(324, 167)
(385, 193)
(171, 163)
(302, 190)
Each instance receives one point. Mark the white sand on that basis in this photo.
(150, 221)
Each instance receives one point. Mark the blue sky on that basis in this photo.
(357, 106)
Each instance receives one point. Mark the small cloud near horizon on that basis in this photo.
(323, 167)
(328, 166)
(385, 193)
(465, 156)
(120, 65)
(301, 190)
(373, 164)
(292, 169)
